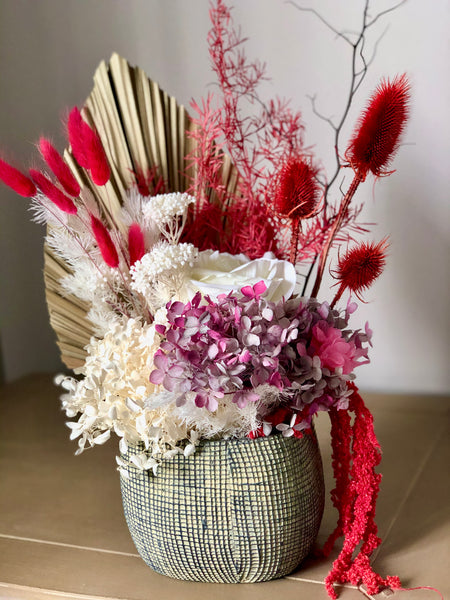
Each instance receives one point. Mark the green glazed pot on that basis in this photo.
(236, 511)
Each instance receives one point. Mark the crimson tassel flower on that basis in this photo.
(59, 167)
(53, 193)
(297, 195)
(76, 137)
(98, 163)
(136, 243)
(16, 180)
(378, 131)
(104, 242)
(87, 147)
(360, 267)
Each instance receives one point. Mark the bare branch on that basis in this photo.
(324, 21)
(328, 120)
(385, 12)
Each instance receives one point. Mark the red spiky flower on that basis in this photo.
(359, 268)
(16, 180)
(297, 193)
(377, 134)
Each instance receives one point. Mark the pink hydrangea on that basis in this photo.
(229, 347)
(333, 350)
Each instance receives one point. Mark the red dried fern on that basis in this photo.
(259, 137)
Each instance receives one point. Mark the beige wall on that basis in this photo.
(49, 50)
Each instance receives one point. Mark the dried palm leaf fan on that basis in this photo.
(143, 129)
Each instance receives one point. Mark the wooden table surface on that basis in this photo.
(63, 534)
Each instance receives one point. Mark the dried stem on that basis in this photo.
(359, 65)
(334, 229)
(295, 230)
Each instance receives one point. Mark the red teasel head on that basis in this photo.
(378, 131)
(360, 267)
(297, 192)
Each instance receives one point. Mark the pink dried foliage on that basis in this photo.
(258, 144)
(16, 180)
(104, 242)
(59, 168)
(53, 193)
(208, 219)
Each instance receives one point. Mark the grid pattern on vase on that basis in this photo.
(235, 511)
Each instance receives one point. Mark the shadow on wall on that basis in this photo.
(419, 255)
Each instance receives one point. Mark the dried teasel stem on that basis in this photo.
(295, 233)
(357, 179)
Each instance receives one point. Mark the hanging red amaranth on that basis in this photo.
(76, 137)
(105, 243)
(136, 243)
(377, 134)
(53, 193)
(356, 454)
(16, 180)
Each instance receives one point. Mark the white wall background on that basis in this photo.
(49, 50)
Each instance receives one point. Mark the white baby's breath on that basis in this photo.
(161, 273)
(162, 209)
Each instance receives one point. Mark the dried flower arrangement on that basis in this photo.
(204, 325)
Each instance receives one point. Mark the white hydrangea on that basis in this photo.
(115, 395)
